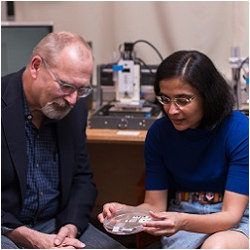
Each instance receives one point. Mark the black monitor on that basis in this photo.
(17, 42)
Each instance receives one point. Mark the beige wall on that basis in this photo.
(211, 27)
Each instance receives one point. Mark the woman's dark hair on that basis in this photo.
(199, 71)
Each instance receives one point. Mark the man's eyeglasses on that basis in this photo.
(68, 88)
(180, 102)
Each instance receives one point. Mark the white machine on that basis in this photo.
(241, 89)
(126, 75)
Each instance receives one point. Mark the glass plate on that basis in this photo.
(125, 222)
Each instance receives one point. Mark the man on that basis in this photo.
(47, 187)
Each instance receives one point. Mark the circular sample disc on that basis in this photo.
(126, 222)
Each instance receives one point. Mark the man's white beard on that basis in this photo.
(57, 109)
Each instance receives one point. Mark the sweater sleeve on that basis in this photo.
(238, 154)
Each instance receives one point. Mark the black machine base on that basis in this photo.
(111, 117)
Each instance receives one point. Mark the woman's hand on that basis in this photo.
(166, 223)
(110, 208)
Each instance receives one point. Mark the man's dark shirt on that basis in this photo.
(41, 197)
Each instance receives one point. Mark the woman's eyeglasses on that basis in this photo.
(68, 88)
(180, 102)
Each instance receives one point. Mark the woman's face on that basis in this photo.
(183, 115)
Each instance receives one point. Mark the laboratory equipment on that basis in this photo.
(238, 65)
(132, 105)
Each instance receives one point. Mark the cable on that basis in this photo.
(240, 67)
(141, 41)
(143, 63)
(150, 44)
(119, 48)
(244, 61)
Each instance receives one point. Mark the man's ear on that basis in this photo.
(35, 65)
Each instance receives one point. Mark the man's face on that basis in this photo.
(57, 109)
(61, 84)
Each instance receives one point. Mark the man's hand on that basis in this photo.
(66, 237)
(70, 243)
(29, 238)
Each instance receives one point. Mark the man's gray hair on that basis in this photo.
(52, 44)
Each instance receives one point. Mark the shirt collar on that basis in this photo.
(27, 113)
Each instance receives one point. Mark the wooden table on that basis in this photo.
(116, 136)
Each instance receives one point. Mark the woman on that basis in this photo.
(199, 151)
